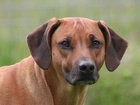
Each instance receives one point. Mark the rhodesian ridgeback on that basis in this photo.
(66, 55)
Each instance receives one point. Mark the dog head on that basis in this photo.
(76, 48)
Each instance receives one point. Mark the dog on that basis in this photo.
(66, 55)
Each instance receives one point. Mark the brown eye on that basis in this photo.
(96, 43)
(65, 44)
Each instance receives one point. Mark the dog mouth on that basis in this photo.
(84, 82)
(87, 74)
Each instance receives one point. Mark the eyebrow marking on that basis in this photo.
(67, 38)
(92, 36)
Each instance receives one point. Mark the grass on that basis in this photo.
(122, 87)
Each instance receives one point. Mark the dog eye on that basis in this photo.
(65, 44)
(95, 44)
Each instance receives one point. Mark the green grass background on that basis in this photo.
(20, 17)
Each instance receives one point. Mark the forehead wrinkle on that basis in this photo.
(75, 23)
(79, 31)
(82, 22)
(78, 24)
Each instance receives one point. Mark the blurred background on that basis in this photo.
(20, 17)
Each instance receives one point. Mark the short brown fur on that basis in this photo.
(53, 74)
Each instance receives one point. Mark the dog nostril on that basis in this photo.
(86, 68)
(91, 68)
(83, 67)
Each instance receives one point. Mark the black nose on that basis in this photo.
(86, 67)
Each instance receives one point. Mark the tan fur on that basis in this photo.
(25, 83)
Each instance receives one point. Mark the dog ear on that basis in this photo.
(115, 46)
(39, 43)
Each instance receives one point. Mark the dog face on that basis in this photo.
(76, 48)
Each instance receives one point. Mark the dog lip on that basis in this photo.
(87, 82)
(81, 79)
(84, 81)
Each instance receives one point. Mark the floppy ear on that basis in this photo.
(39, 43)
(115, 46)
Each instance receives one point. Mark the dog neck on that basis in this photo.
(63, 92)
